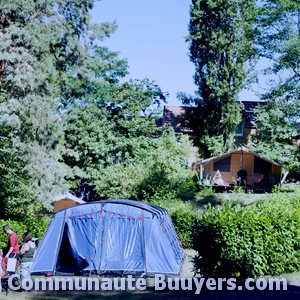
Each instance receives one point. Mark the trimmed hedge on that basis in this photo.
(184, 223)
(256, 240)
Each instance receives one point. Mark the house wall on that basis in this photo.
(238, 162)
(246, 138)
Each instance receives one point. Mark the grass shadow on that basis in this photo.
(212, 200)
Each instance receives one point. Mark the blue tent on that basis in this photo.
(113, 237)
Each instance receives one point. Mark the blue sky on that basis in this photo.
(151, 36)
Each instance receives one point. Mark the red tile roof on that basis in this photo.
(172, 116)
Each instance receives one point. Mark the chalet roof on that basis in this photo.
(67, 196)
(241, 150)
(172, 116)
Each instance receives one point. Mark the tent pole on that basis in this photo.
(101, 238)
(283, 178)
(143, 241)
(201, 172)
(241, 159)
(60, 239)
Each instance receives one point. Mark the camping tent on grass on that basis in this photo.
(113, 237)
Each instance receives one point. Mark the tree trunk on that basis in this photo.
(4, 24)
(2, 68)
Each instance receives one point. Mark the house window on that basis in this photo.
(223, 164)
(261, 165)
(239, 130)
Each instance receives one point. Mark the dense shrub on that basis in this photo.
(162, 184)
(260, 239)
(37, 226)
(184, 223)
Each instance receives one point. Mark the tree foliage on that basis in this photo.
(116, 145)
(221, 44)
(275, 128)
(45, 49)
(277, 39)
(15, 192)
(65, 116)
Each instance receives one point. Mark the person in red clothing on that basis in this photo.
(13, 247)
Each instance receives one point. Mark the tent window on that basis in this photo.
(223, 164)
(261, 165)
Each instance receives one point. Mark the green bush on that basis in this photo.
(37, 226)
(206, 191)
(158, 185)
(184, 223)
(256, 240)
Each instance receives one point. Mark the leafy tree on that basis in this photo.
(15, 194)
(278, 40)
(221, 44)
(117, 147)
(274, 132)
(65, 115)
(45, 48)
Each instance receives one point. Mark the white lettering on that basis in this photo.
(278, 282)
(27, 284)
(93, 284)
(247, 284)
(198, 284)
(220, 283)
(261, 284)
(188, 286)
(231, 284)
(211, 284)
(130, 283)
(106, 284)
(44, 282)
(119, 284)
(160, 283)
(80, 284)
(11, 280)
(141, 284)
(61, 283)
(175, 286)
